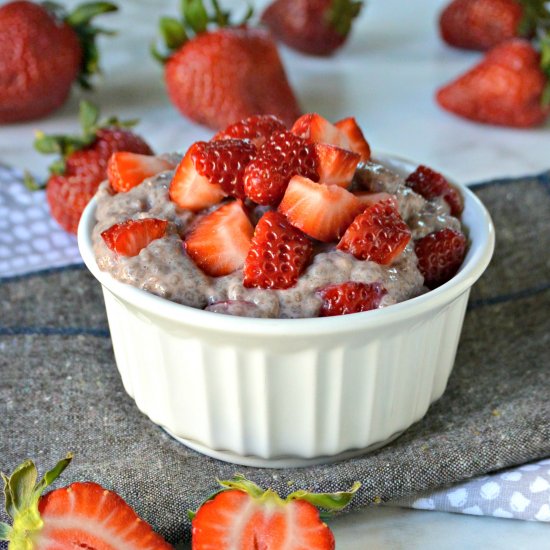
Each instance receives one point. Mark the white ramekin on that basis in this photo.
(289, 392)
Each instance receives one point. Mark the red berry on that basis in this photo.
(379, 234)
(350, 297)
(431, 184)
(129, 238)
(335, 166)
(278, 255)
(281, 157)
(440, 255)
(127, 170)
(255, 128)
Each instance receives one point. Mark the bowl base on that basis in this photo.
(279, 462)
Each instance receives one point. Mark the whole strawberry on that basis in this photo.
(76, 176)
(82, 515)
(217, 76)
(259, 518)
(482, 24)
(43, 50)
(509, 87)
(316, 27)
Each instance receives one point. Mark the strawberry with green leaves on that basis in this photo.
(43, 50)
(82, 515)
(244, 516)
(315, 27)
(83, 161)
(217, 74)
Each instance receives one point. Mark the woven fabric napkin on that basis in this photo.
(60, 391)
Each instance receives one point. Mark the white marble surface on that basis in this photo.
(386, 76)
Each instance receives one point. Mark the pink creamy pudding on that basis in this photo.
(165, 269)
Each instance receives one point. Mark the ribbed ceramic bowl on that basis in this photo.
(289, 392)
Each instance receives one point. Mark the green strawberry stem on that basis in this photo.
(545, 65)
(329, 502)
(22, 494)
(341, 13)
(535, 16)
(81, 21)
(66, 145)
(195, 19)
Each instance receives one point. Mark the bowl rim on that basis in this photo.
(476, 261)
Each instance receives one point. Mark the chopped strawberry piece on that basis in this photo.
(440, 255)
(347, 135)
(357, 140)
(321, 211)
(191, 190)
(379, 234)
(350, 297)
(431, 184)
(335, 166)
(255, 129)
(368, 199)
(129, 238)
(126, 170)
(219, 242)
(281, 157)
(278, 255)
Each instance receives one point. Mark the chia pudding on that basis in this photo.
(164, 268)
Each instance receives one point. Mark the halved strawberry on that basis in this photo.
(191, 190)
(357, 140)
(335, 166)
(379, 234)
(440, 254)
(126, 170)
(368, 199)
(255, 129)
(278, 254)
(321, 211)
(219, 242)
(431, 184)
(350, 297)
(244, 516)
(282, 156)
(82, 515)
(129, 238)
(318, 129)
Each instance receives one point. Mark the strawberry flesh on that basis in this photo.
(126, 170)
(281, 157)
(431, 184)
(219, 243)
(256, 129)
(379, 234)
(278, 255)
(350, 297)
(356, 139)
(335, 166)
(440, 255)
(130, 237)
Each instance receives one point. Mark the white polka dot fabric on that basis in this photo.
(30, 240)
(520, 493)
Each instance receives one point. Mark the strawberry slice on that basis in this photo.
(357, 141)
(282, 156)
(368, 199)
(379, 234)
(191, 190)
(256, 129)
(82, 515)
(129, 238)
(350, 297)
(440, 255)
(335, 166)
(318, 129)
(219, 243)
(255, 518)
(278, 255)
(431, 184)
(321, 211)
(126, 170)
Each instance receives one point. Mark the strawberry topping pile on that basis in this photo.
(266, 200)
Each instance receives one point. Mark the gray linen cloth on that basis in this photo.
(60, 390)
